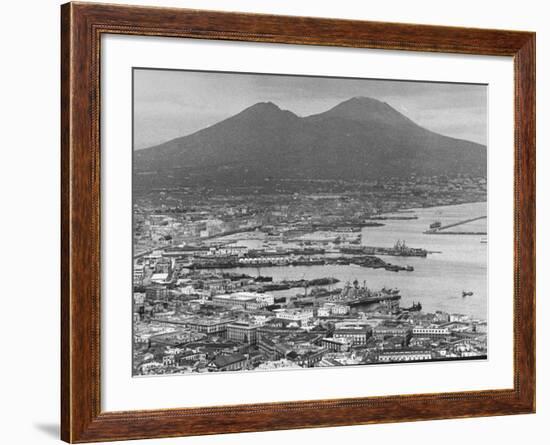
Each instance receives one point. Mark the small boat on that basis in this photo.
(467, 294)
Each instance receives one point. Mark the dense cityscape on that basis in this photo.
(204, 301)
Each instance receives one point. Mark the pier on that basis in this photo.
(440, 230)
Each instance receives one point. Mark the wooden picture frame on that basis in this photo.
(82, 25)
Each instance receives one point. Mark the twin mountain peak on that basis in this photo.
(359, 139)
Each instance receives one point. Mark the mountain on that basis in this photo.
(361, 138)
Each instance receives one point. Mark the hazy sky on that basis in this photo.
(169, 104)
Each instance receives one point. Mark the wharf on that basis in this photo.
(440, 230)
(392, 218)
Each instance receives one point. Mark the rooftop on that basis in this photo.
(226, 360)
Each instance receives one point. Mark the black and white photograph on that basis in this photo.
(230, 222)
(287, 222)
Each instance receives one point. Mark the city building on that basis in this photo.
(301, 316)
(139, 274)
(173, 339)
(480, 327)
(404, 355)
(245, 300)
(309, 357)
(431, 332)
(139, 298)
(159, 278)
(153, 293)
(383, 331)
(232, 362)
(329, 309)
(208, 325)
(242, 333)
(357, 335)
(335, 345)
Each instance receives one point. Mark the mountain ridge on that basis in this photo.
(360, 138)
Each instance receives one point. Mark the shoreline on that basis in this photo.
(410, 209)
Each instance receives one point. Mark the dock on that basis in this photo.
(440, 230)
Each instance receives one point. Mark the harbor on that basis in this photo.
(301, 294)
(460, 264)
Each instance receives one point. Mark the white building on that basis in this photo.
(139, 297)
(159, 278)
(323, 312)
(187, 290)
(333, 309)
(459, 317)
(139, 274)
(298, 315)
(431, 332)
(404, 356)
(246, 300)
